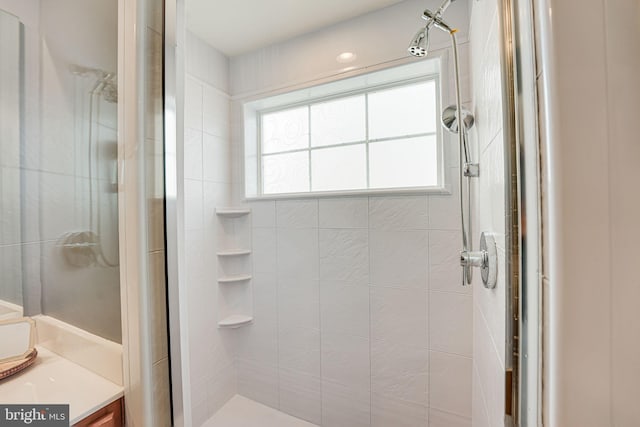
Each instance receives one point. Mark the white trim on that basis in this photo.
(362, 87)
(427, 191)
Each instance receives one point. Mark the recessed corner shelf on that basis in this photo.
(238, 252)
(234, 279)
(235, 321)
(232, 212)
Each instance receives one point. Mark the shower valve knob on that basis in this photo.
(472, 170)
(486, 259)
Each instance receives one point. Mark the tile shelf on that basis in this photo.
(235, 321)
(238, 283)
(238, 252)
(232, 212)
(234, 279)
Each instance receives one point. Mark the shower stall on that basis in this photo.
(329, 185)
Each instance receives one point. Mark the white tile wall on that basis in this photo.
(342, 286)
(488, 317)
(351, 282)
(214, 353)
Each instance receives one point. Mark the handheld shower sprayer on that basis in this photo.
(452, 116)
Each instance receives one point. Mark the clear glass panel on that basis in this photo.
(338, 122)
(403, 111)
(285, 130)
(11, 215)
(340, 168)
(58, 164)
(409, 162)
(286, 173)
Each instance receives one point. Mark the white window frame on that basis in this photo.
(253, 147)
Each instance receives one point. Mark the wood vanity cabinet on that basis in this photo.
(111, 415)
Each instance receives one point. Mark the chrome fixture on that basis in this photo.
(450, 122)
(452, 116)
(420, 43)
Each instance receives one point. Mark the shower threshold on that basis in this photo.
(242, 412)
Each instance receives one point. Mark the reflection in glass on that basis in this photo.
(61, 164)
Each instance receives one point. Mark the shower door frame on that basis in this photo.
(523, 331)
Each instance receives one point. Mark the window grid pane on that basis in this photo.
(402, 154)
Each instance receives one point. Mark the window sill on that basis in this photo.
(426, 191)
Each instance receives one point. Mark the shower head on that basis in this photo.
(450, 118)
(420, 43)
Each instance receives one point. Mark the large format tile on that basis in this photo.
(259, 382)
(263, 213)
(345, 360)
(399, 316)
(400, 372)
(300, 395)
(299, 303)
(297, 213)
(215, 112)
(450, 383)
(444, 247)
(451, 322)
(386, 412)
(297, 253)
(299, 350)
(264, 250)
(344, 255)
(193, 104)
(399, 258)
(345, 212)
(344, 308)
(344, 406)
(445, 419)
(398, 213)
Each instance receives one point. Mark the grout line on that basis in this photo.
(428, 261)
(277, 307)
(317, 202)
(369, 290)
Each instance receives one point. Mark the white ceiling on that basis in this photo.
(238, 26)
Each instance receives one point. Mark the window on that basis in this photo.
(380, 137)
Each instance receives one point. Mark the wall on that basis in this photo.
(207, 185)
(588, 57)
(488, 305)
(359, 315)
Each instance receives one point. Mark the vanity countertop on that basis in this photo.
(55, 380)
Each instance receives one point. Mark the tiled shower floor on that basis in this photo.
(243, 412)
